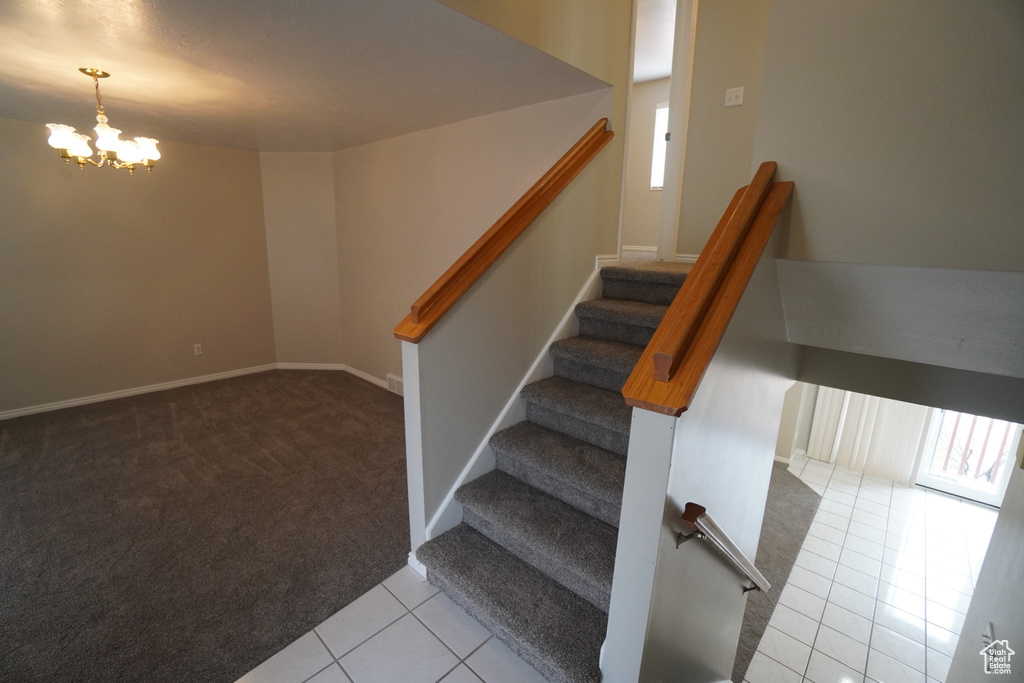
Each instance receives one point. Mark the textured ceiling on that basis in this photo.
(304, 75)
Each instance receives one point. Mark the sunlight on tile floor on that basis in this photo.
(401, 630)
(881, 585)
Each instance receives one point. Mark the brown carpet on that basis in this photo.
(787, 518)
(187, 535)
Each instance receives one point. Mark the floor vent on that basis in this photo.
(395, 384)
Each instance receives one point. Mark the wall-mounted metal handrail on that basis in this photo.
(706, 528)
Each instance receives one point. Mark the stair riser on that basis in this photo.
(518, 604)
(584, 431)
(652, 293)
(439, 580)
(606, 511)
(596, 595)
(622, 332)
(602, 378)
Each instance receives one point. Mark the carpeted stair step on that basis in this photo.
(556, 631)
(571, 547)
(596, 416)
(630, 322)
(655, 282)
(580, 474)
(599, 362)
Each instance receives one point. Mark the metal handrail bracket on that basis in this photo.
(706, 528)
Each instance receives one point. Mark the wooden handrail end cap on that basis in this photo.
(692, 512)
(662, 366)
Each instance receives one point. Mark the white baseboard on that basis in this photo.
(639, 253)
(110, 395)
(779, 458)
(603, 261)
(450, 511)
(162, 386)
(420, 568)
(633, 253)
(334, 366)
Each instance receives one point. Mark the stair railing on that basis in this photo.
(456, 281)
(671, 367)
(706, 528)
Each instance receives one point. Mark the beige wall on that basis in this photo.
(641, 208)
(107, 280)
(795, 424)
(302, 245)
(999, 593)
(592, 35)
(729, 53)
(408, 207)
(901, 125)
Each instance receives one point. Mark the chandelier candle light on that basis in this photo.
(114, 151)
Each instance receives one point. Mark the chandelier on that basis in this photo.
(113, 151)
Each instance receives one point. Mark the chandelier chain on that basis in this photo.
(99, 102)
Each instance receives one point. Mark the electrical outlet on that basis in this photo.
(734, 97)
(197, 349)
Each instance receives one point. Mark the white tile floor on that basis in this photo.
(880, 587)
(401, 630)
(878, 595)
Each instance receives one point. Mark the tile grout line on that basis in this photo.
(320, 671)
(400, 602)
(807, 664)
(832, 582)
(902, 511)
(431, 632)
(878, 585)
(370, 637)
(470, 666)
(461, 660)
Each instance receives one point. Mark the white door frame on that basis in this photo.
(683, 47)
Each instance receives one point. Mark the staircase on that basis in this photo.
(534, 555)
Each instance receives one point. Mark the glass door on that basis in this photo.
(969, 456)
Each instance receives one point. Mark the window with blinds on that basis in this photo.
(660, 146)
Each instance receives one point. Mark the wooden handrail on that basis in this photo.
(685, 315)
(695, 323)
(449, 288)
(705, 527)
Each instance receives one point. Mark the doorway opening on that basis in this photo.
(969, 456)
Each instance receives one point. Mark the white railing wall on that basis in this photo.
(676, 613)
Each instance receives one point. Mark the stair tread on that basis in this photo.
(582, 402)
(568, 545)
(585, 476)
(623, 311)
(660, 272)
(603, 353)
(553, 629)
